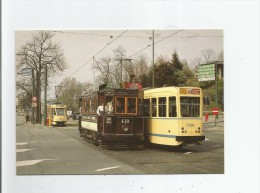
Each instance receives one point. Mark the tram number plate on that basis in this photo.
(125, 121)
(190, 125)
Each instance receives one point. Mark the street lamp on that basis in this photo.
(27, 72)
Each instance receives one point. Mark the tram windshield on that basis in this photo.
(190, 106)
(127, 105)
(60, 111)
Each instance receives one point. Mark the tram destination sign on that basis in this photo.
(206, 72)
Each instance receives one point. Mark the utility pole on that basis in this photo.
(45, 96)
(153, 61)
(33, 121)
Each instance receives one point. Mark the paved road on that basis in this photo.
(60, 150)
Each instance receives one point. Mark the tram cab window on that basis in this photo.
(154, 107)
(146, 107)
(120, 105)
(190, 106)
(162, 106)
(109, 105)
(172, 107)
(131, 105)
(60, 111)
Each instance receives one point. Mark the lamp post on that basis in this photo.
(27, 72)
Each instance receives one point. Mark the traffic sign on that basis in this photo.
(206, 72)
(215, 111)
(34, 104)
(34, 99)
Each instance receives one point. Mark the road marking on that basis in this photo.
(30, 162)
(206, 139)
(215, 145)
(109, 168)
(21, 143)
(22, 150)
(187, 152)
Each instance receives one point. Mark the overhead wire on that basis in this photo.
(155, 43)
(109, 43)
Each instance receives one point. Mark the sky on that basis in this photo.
(80, 46)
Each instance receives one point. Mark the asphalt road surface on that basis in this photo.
(44, 150)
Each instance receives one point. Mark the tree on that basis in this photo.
(178, 77)
(38, 53)
(209, 55)
(70, 92)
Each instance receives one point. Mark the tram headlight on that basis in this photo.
(108, 120)
(125, 128)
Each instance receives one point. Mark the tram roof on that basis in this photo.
(171, 89)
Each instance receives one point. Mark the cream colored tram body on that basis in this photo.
(57, 114)
(173, 115)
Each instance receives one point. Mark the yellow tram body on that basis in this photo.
(173, 115)
(57, 114)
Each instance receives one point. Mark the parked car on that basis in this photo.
(75, 116)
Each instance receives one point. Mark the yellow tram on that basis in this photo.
(57, 114)
(173, 115)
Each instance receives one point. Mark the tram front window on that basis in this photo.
(131, 105)
(120, 105)
(190, 106)
(60, 111)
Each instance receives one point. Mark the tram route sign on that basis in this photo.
(206, 72)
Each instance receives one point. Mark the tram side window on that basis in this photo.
(154, 107)
(172, 107)
(162, 106)
(131, 105)
(146, 107)
(92, 105)
(190, 106)
(86, 104)
(120, 105)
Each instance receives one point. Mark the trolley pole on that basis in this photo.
(45, 97)
(153, 61)
(216, 91)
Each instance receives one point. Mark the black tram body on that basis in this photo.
(111, 116)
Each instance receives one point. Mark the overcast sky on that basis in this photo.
(80, 46)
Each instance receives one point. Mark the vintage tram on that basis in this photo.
(110, 116)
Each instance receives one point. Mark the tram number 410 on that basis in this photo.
(125, 121)
(190, 125)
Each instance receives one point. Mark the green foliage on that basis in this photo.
(70, 93)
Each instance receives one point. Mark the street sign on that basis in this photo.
(26, 72)
(34, 104)
(215, 111)
(34, 99)
(206, 72)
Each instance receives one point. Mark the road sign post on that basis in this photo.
(215, 112)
